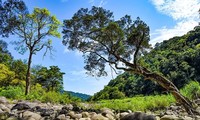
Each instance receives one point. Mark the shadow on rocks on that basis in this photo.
(138, 116)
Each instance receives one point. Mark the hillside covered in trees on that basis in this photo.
(177, 58)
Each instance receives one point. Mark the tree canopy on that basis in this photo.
(118, 43)
(51, 79)
(34, 31)
(95, 33)
(9, 12)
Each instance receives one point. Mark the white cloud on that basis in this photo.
(99, 3)
(91, 2)
(184, 13)
(102, 3)
(76, 52)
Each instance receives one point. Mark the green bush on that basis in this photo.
(36, 93)
(55, 97)
(12, 92)
(191, 90)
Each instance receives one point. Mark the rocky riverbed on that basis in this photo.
(25, 110)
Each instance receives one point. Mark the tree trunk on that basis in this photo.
(28, 74)
(169, 86)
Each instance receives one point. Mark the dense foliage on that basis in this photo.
(47, 82)
(79, 95)
(148, 103)
(177, 58)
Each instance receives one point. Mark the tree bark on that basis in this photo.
(28, 74)
(169, 86)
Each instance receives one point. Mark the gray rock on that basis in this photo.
(30, 115)
(169, 112)
(105, 111)
(92, 114)
(85, 114)
(57, 107)
(170, 117)
(187, 118)
(63, 111)
(20, 106)
(68, 107)
(123, 114)
(61, 117)
(4, 108)
(46, 112)
(84, 119)
(12, 118)
(99, 117)
(71, 114)
(35, 109)
(78, 116)
(110, 117)
(4, 115)
(129, 111)
(138, 116)
(76, 108)
(174, 108)
(197, 101)
(3, 100)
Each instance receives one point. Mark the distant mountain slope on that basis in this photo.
(79, 95)
(178, 59)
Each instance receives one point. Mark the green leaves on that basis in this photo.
(35, 29)
(51, 79)
(6, 76)
(105, 40)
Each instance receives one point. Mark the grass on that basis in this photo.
(36, 93)
(140, 103)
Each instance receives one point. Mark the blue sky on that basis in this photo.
(166, 18)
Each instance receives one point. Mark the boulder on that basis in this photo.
(123, 114)
(78, 116)
(71, 114)
(99, 117)
(61, 117)
(35, 109)
(105, 111)
(68, 107)
(20, 106)
(3, 100)
(76, 108)
(4, 108)
(4, 115)
(46, 112)
(170, 117)
(63, 111)
(31, 115)
(84, 119)
(110, 117)
(85, 114)
(138, 116)
(12, 118)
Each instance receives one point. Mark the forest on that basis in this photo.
(168, 70)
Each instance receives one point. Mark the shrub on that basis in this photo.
(12, 92)
(191, 90)
(55, 97)
(36, 93)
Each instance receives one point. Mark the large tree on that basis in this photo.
(51, 79)
(9, 11)
(119, 44)
(35, 31)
